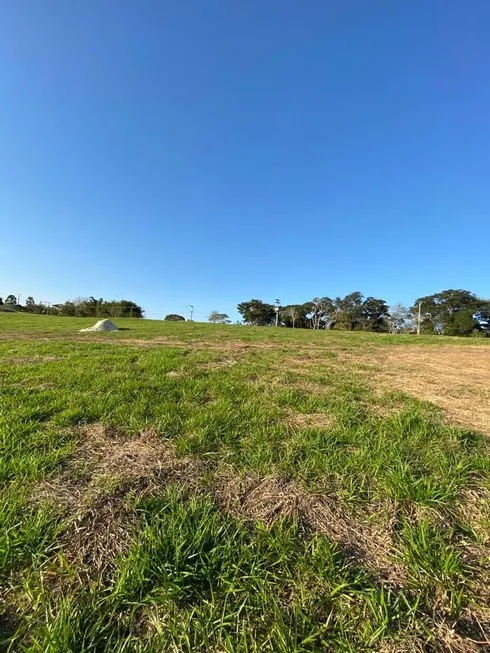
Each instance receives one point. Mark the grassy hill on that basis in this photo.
(191, 487)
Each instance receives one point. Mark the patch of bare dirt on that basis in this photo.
(455, 378)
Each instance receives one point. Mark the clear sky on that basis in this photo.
(205, 152)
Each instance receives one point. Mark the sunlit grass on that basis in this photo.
(246, 404)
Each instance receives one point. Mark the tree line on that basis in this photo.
(78, 307)
(450, 312)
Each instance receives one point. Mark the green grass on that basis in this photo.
(400, 562)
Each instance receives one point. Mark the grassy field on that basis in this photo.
(189, 487)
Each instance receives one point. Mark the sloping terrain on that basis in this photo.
(187, 487)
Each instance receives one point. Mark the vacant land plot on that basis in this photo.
(186, 487)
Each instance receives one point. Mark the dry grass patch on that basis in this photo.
(24, 360)
(95, 484)
(408, 646)
(311, 387)
(368, 542)
(455, 378)
(450, 641)
(174, 374)
(101, 530)
(217, 364)
(475, 511)
(307, 420)
(111, 454)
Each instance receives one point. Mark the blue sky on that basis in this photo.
(206, 152)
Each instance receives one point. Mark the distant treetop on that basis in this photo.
(173, 317)
(218, 318)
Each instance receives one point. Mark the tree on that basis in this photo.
(173, 317)
(290, 314)
(217, 317)
(113, 309)
(399, 319)
(258, 313)
(30, 305)
(120, 308)
(319, 311)
(130, 309)
(374, 315)
(295, 316)
(349, 312)
(11, 299)
(438, 310)
(483, 317)
(68, 309)
(1, 301)
(82, 307)
(92, 307)
(462, 323)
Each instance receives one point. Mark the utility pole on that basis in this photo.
(18, 299)
(276, 308)
(192, 310)
(419, 319)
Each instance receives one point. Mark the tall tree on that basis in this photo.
(290, 314)
(295, 316)
(92, 307)
(11, 299)
(374, 315)
(30, 301)
(438, 310)
(399, 319)
(349, 311)
(320, 311)
(257, 312)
